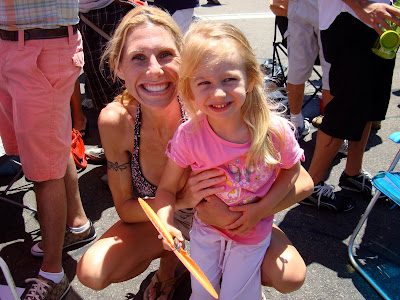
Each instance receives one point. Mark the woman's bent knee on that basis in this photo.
(88, 273)
(286, 274)
(283, 267)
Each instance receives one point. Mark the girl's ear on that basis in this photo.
(250, 86)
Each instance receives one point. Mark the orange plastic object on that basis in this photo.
(187, 261)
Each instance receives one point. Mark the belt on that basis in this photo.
(38, 34)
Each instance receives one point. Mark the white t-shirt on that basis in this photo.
(330, 9)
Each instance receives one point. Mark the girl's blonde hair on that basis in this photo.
(136, 17)
(204, 38)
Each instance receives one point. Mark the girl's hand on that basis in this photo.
(250, 217)
(213, 211)
(199, 186)
(176, 233)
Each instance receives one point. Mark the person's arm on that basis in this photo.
(114, 131)
(254, 212)
(215, 212)
(375, 14)
(166, 197)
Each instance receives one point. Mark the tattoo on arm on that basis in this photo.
(117, 167)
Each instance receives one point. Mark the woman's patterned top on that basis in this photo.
(141, 187)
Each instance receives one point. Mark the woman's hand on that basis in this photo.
(213, 211)
(199, 186)
(250, 217)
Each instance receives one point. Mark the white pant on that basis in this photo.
(238, 264)
(304, 42)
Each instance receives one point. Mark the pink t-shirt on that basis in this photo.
(202, 149)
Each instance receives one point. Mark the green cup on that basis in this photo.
(387, 44)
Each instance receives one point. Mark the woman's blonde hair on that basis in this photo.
(204, 38)
(136, 17)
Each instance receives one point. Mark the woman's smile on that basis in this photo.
(149, 66)
(159, 87)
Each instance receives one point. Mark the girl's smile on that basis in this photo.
(219, 87)
(219, 107)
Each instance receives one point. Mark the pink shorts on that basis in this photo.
(37, 79)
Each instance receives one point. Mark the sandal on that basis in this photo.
(161, 286)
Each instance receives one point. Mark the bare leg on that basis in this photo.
(325, 151)
(51, 201)
(326, 97)
(283, 268)
(78, 118)
(59, 203)
(76, 216)
(356, 153)
(168, 263)
(296, 96)
(122, 253)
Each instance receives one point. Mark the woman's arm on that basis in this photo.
(116, 138)
(200, 185)
(215, 212)
(253, 213)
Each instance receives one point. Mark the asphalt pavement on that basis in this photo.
(320, 236)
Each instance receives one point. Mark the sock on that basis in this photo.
(55, 277)
(297, 120)
(80, 229)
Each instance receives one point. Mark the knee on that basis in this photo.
(288, 278)
(89, 274)
(293, 281)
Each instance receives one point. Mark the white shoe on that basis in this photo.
(303, 131)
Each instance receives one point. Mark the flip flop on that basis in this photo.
(161, 286)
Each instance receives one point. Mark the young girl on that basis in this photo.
(232, 128)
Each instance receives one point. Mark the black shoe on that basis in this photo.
(324, 196)
(358, 183)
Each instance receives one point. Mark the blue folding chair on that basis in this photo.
(387, 183)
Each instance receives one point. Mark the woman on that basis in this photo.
(144, 53)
